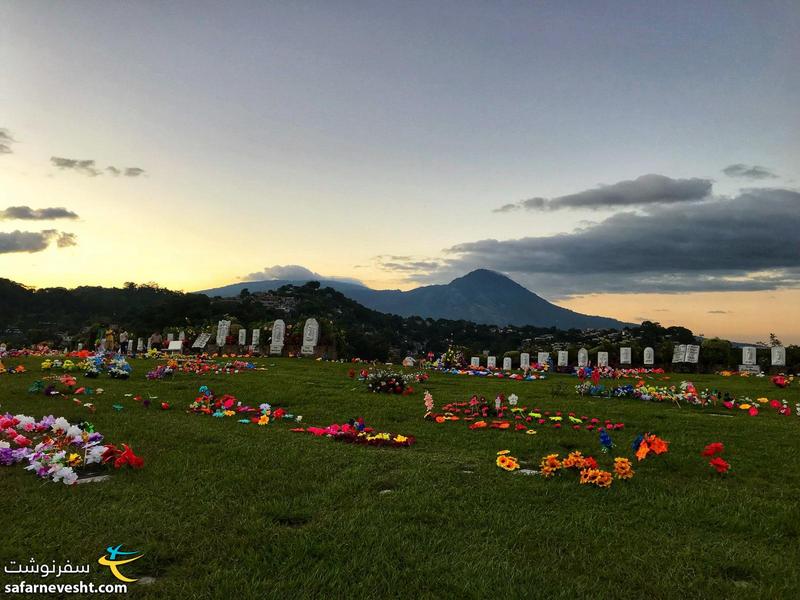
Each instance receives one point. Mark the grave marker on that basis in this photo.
(583, 357)
(242, 336)
(602, 359)
(649, 356)
(491, 362)
(692, 353)
(310, 336)
(749, 355)
(475, 362)
(624, 356)
(542, 358)
(507, 363)
(524, 361)
(563, 358)
(778, 356)
(278, 332)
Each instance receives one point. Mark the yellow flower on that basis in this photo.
(504, 452)
(400, 438)
(622, 468)
(744, 406)
(531, 432)
(229, 413)
(74, 459)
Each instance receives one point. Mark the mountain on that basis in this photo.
(481, 296)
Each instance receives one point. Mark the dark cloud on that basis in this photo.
(749, 171)
(6, 139)
(718, 312)
(26, 213)
(647, 190)
(750, 242)
(87, 167)
(294, 273)
(34, 241)
(392, 262)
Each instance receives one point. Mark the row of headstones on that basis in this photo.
(310, 337)
(683, 353)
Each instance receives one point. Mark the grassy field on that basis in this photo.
(223, 509)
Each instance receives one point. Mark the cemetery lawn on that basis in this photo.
(225, 510)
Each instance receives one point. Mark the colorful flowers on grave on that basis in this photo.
(505, 461)
(57, 450)
(649, 443)
(390, 382)
(714, 452)
(550, 465)
(356, 432)
(623, 468)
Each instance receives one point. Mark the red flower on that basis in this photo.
(712, 449)
(127, 457)
(719, 464)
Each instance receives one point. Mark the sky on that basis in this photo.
(635, 160)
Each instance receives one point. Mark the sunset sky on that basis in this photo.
(637, 160)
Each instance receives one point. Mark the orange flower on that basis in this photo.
(574, 460)
(549, 465)
(622, 468)
(478, 425)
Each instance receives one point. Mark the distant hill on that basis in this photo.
(481, 296)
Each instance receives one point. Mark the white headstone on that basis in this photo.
(692, 353)
(201, 340)
(175, 346)
(507, 363)
(223, 328)
(170, 337)
(140, 345)
(242, 336)
(542, 357)
(749, 355)
(310, 336)
(563, 358)
(678, 353)
(475, 362)
(278, 333)
(182, 336)
(524, 361)
(491, 362)
(778, 356)
(602, 359)
(80, 346)
(624, 356)
(256, 337)
(583, 357)
(649, 356)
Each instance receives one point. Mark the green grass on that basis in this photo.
(227, 510)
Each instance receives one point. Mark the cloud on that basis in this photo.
(646, 190)
(749, 171)
(391, 262)
(26, 213)
(294, 273)
(6, 139)
(750, 242)
(34, 241)
(718, 312)
(87, 167)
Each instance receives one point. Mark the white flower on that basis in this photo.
(65, 474)
(94, 455)
(4, 444)
(60, 424)
(24, 421)
(74, 432)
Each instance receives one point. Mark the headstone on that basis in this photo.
(507, 363)
(583, 357)
(256, 337)
(749, 355)
(692, 353)
(140, 345)
(182, 336)
(563, 358)
(542, 357)
(223, 328)
(175, 346)
(624, 356)
(491, 362)
(80, 346)
(524, 361)
(201, 340)
(475, 362)
(649, 356)
(754, 369)
(170, 337)
(242, 336)
(278, 332)
(602, 359)
(310, 336)
(408, 361)
(678, 353)
(778, 356)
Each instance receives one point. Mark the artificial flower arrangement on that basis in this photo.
(505, 461)
(228, 406)
(356, 432)
(507, 414)
(586, 466)
(782, 381)
(647, 444)
(533, 373)
(596, 372)
(161, 372)
(714, 453)
(389, 382)
(57, 450)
